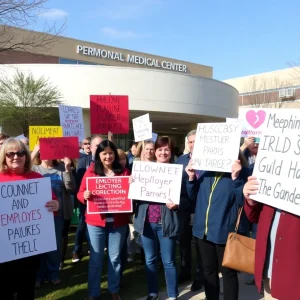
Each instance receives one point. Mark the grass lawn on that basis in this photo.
(74, 280)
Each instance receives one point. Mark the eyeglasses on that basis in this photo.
(13, 154)
(86, 144)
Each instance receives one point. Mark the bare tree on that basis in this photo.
(16, 14)
(264, 93)
(26, 101)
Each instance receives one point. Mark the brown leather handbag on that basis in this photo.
(239, 251)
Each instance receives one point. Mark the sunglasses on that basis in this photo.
(13, 154)
(86, 143)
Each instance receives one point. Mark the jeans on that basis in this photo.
(151, 238)
(124, 251)
(212, 256)
(50, 261)
(81, 231)
(185, 245)
(99, 237)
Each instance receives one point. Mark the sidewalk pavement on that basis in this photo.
(247, 292)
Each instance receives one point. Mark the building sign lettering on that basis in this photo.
(131, 58)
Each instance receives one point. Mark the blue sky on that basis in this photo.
(235, 37)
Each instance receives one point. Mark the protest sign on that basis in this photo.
(154, 137)
(26, 226)
(71, 120)
(37, 132)
(216, 146)
(254, 121)
(20, 137)
(109, 113)
(142, 128)
(59, 148)
(234, 120)
(156, 182)
(109, 195)
(277, 164)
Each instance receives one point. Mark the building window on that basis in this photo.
(85, 63)
(66, 61)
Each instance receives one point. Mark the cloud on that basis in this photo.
(54, 14)
(121, 34)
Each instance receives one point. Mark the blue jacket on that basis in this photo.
(185, 204)
(170, 225)
(83, 164)
(218, 199)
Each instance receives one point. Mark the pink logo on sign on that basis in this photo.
(255, 119)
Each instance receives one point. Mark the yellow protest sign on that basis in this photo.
(37, 132)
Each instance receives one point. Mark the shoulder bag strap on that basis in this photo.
(238, 219)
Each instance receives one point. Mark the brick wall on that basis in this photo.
(265, 98)
(21, 57)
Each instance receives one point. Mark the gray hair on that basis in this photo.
(192, 132)
(97, 136)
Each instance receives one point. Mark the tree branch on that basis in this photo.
(23, 14)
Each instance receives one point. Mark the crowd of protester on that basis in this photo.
(207, 213)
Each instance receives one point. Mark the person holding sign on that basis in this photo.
(144, 152)
(185, 215)
(277, 259)
(250, 148)
(218, 197)
(82, 166)
(158, 225)
(19, 275)
(104, 229)
(63, 184)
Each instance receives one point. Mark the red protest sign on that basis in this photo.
(109, 113)
(109, 195)
(59, 148)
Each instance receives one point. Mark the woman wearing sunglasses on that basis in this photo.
(63, 184)
(19, 275)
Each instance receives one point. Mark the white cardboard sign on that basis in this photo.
(26, 226)
(277, 165)
(156, 182)
(216, 146)
(20, 137)
(71, 120)
(142, 128)
(154, 137)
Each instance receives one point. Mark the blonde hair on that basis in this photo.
(10, 144)
(121, 154)
(139, 148)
